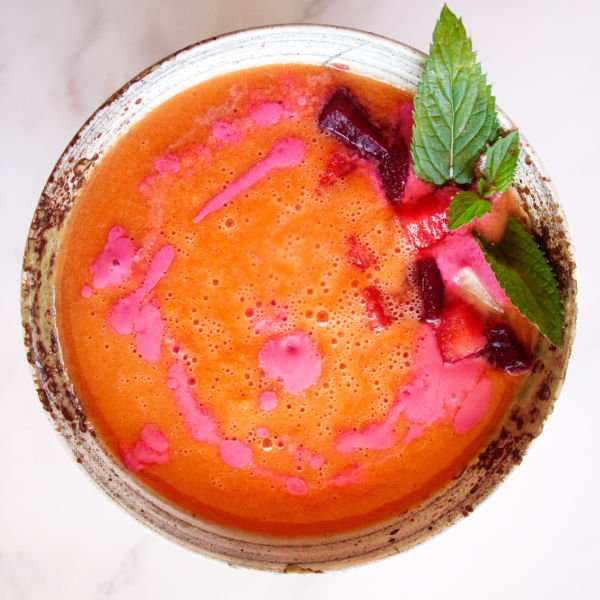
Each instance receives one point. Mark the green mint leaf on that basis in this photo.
(482, 187)
(525, 275)
(501, 162)
(465, 207)
(455, 112)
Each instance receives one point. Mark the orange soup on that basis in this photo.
(264, 314)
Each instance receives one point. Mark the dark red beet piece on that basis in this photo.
(376, 312)
(338, 166)
(431, 288)
(359, 254)
(347, 120)
(393, 170)
(504, 351)
(405, 120)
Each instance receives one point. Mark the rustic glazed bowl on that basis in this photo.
(364, 54)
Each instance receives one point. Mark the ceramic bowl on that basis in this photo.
(362, 53)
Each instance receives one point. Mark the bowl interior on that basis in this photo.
(364, 54)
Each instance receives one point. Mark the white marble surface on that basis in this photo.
(537, 537)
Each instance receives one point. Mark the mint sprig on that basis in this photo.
(527, 278)
(498, 172)
(454, 120)
(500, 165)
(455, 112)
(465, 207)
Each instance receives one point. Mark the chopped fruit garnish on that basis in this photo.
(393, 170)
(359, 254)
(404, 118)
(472, 289)
(376, 313)
(504, 351)
(415, 189)
(460, 333)
(431, 288)
(493, 224)
(347, 120)
(338, 166)
(426, 222)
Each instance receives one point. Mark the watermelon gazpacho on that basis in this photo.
(266, 316)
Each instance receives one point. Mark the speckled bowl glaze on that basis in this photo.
(364, 54)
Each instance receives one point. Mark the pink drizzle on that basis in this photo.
(459, 391)
(293, 359)
(167, 164)
(147, 455)
(146, 184)
(262, 433)
(151, 449)
(157, 270)
(138, 314)
(149, 330)
(155, 438)
(350, 475)
(376, 436)
(267, 400)
(414, 431)
(270, 323)
(113, 265)
(236, 454)
(287, 152)
(439, 390)
(202, 426)
(312, 459)
(473, 408)
(296, 486)
(130, 315)
(267, 114)
(226, 131)
(316, 461)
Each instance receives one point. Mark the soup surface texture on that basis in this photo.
(240, 312)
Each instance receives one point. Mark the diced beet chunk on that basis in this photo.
(360, 254)
(338, 166)
(393, 170)
(504, 351)
(416, 188)
(376, 312)
(404, 117)
(426, 221)
(347, 120)
(431, 288)
(460, 332)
